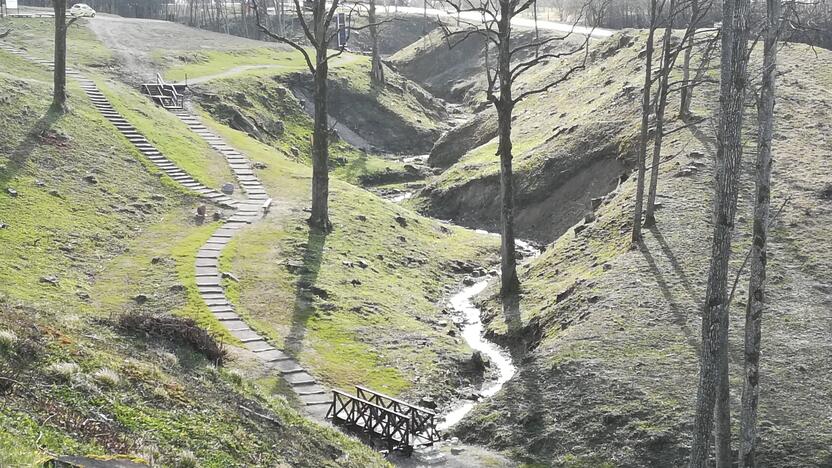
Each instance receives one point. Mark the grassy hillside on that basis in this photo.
(360, 305)
(608, 336)
(95, 233)
(86, 227)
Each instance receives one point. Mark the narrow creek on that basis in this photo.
(473, 332)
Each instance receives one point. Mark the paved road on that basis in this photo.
(474, 17)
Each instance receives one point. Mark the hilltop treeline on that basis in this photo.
(809, 22)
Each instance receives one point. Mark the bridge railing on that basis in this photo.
(390, 425)
(423, 421)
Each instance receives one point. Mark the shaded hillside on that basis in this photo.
(608, 337)
(452, 69)
(396, 117)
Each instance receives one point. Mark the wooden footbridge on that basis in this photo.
(400, 425)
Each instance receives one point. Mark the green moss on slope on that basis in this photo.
(82, 217)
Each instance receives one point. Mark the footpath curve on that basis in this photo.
(251, 209)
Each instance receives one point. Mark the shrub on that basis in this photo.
(177, 329)
(168, 359)
(64, 370)
(187, 459)
(235, 377)
(8, 339)
(107, 377)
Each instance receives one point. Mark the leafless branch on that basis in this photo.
(554, 83)
(284, 39)
(70, 22)
(522, 67)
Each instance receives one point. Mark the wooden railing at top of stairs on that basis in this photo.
(163, 94)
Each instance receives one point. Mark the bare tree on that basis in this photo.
(664, 73)
(713, 388)
(511, 63)
(756, 287)
(687, 92)
(645, 124)
(318, 33)
(61, 27)
(376, 70)
(669, 55)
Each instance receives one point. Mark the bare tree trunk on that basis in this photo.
(59, 74)
(713, 373)
(664, 73)
(320, 136)
(645, 123)
(278, 9)
(756, 287)
(687, 91)
(425, 18)
(510, 283)
(377, 70)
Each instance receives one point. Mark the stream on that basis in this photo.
(473, 328)
(472, 333)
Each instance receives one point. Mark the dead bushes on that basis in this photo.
(176, 329)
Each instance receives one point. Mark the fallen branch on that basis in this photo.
(261, 416)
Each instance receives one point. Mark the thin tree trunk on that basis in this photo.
(425, 18)
(687, 91)
(713, 392)
(645, 123)
(756, 287)
(377, 70)
(650, 213)
(59, 74)
(510, 283)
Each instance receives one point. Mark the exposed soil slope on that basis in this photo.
(570, 145)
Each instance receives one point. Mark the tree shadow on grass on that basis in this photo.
(305, 290)
(680, 318)
(21, 154)
(674, 262)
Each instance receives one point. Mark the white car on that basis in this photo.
(82, 10)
